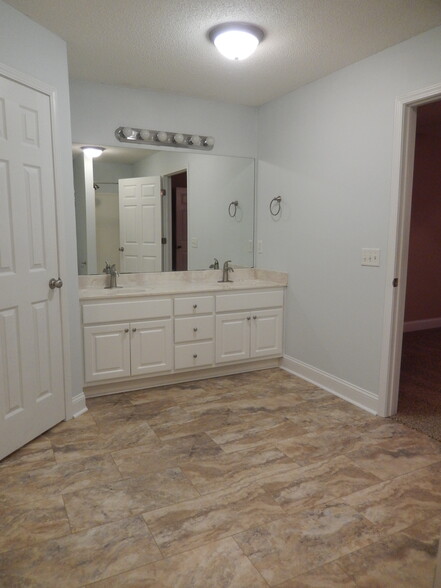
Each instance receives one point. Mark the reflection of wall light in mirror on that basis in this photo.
(92, 151)
(236, 41)
(178, 138)
(195, 140)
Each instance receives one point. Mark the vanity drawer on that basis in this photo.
(192, 355)
(194, 328)
(194, 305)
(104, 312)
(249, 300)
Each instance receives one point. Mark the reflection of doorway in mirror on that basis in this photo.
(179, 222)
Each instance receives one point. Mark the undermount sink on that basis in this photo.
(126, 290)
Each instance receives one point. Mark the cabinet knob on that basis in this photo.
(134, 329)
(254, 317)
(195, 329)
(126, 330)
(195, 306)
(195, 355)
(248, 318)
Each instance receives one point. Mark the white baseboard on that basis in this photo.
(78, 405)
(422, 325)
(353, 394)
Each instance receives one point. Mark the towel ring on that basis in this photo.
(274, 206)
(232, 211)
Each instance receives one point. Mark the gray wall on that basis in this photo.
(332, 164)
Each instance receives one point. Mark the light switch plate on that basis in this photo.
(370, 257)
(194, 242)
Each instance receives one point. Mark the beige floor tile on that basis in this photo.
(24, 487)
(81, 558)
(215, 565)
(244, 467)
(397, 456)
(403, 501)
(298, 543)
(190, 524)
(26, 524)
(328, 576)
(313, 447)
(308, 486)
(126, 498)
(211, 419)
(158, 456)
(256, 432)
(38, 453)
(405, 559)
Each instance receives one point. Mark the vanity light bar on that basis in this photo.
(164, 138)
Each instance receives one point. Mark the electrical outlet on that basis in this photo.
(250, 246)
(370, 257)
(259, 247)
(194, 242)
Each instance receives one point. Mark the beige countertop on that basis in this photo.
(174, 283)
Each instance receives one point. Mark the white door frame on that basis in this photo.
(35, 84)
(401, 202)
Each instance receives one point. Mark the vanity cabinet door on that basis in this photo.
(106, 352)
(266, 332)
(232, 336)
(151, 346)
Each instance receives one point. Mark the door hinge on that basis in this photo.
(395, 282)
(164, 240)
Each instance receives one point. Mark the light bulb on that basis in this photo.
(129, 133)
(178, 138)
(162, 136)
(195, 140)
(209, 141)
(145, 135)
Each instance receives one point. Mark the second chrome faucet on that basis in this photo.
(225, 272)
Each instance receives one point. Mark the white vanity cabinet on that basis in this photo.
(254, 330)
(117, 344)
(194, 331)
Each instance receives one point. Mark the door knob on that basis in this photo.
(121, 248)
(55, 283)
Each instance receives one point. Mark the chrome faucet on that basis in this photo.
(214, 265)
(112, 272)
(225, 271)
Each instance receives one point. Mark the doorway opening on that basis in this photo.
(399, 238)
(179, 222)
(419, 395)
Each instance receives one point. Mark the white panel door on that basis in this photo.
(266, 333)
(232, 336)
(151, 346)
(140, 224)
(31, 359)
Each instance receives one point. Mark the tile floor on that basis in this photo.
(247, 481)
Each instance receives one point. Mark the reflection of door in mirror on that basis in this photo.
(140, 224)
(179, 222)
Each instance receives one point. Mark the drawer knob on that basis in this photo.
(126, 330)
(195, 329)
(134, 329)
(254, 317)
(248, 318)
(195, 355)
(195, 306)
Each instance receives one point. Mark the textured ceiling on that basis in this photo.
(163, 45)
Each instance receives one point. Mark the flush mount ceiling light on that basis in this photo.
(92, 151)
(236, 40)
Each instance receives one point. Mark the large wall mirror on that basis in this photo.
(148, 210)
